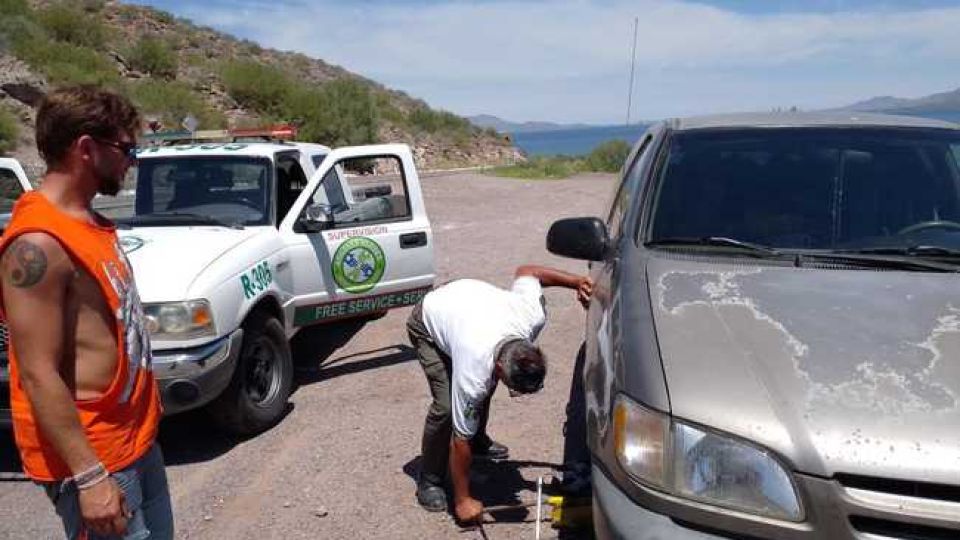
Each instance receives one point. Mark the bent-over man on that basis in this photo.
(469, 335)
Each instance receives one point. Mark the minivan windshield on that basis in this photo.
(231, 190)
(843, 188)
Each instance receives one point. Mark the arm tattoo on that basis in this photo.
(29, 266)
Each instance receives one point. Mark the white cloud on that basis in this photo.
(570, 61)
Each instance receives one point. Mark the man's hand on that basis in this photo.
(551, 277)
(104, 509)
(468, 510)
(584, 291)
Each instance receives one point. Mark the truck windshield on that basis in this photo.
(812, 188)
(10, 190)
(233, 190)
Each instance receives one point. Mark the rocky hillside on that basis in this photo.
(172, 68)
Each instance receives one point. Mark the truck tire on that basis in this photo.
(256, 397)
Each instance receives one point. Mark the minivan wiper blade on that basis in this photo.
(875, 260)
(910, 251)
(177, 218)
(752, 248)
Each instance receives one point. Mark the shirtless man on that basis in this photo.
(84, 402)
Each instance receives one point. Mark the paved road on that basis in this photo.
(342, 463)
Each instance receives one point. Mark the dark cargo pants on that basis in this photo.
(438, 426)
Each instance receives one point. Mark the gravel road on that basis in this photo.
(342, 463)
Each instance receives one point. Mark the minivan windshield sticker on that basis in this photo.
(129, 244)
(256, 280)
(353, 307)
(358, 265)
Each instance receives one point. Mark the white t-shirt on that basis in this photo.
(467, 319)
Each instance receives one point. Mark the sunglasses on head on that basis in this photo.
(129, 149)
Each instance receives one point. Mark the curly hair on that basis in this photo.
(67, 113)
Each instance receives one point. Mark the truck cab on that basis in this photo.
(237, 246)
(13, 183)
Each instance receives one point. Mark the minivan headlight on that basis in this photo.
(179, 320)
(706, 466)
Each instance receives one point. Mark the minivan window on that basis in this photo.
(812, 188)
(623, 199)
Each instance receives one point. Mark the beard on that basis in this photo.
(108, 182)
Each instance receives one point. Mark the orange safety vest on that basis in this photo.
(121, 425)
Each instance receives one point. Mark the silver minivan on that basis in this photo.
(773, 348)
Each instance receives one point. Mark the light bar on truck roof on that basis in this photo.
(280, 132)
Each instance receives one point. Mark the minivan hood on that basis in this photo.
(839, 371)
(166, 260)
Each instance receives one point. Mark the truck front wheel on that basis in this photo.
(255, 399)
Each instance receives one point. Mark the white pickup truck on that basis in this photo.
(13, 183)
(237, 246)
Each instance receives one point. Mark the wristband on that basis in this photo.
(90, 477)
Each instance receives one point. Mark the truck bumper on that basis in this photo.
(191, 378)
(617, 516)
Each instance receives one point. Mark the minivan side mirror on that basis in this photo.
(315, 218)
(579, 238)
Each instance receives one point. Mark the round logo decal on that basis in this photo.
(358, 264)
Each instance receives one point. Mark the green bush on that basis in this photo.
(339, 113)
(431, 121)
(171, 102)
(65, 63)
(258, 86)
(164, 16)
(15, 29)
(11, 8)
(153, 56)
(92, 6)
(127, 13)
(72, 25)
(608, 156)
(8, 131)
(541, 168)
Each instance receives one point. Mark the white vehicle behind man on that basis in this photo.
(237, 246)
(13, 183)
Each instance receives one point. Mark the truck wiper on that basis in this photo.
(178, 218)
(757, 250)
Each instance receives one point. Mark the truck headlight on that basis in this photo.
(690, 462)
(179, 320)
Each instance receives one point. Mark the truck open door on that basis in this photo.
(358, 236)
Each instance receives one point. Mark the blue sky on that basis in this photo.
(569, 60)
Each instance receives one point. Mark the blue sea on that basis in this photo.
(574, 142)
(580, 141)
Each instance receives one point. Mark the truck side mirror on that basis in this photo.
(579, 238)
(315, 218)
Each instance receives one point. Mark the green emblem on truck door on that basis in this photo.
(358, 264)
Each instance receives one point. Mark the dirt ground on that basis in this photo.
(342, 463)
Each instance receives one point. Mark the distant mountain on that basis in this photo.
(943, 104)
(505, 126)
